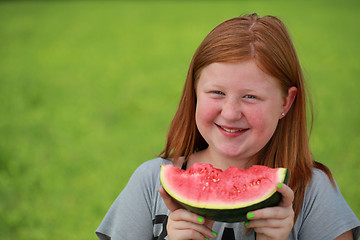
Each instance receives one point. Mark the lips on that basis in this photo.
(232, 129)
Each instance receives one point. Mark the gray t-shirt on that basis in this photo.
(140, 213)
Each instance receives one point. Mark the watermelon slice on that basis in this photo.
(224, 196)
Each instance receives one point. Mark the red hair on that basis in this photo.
(265, 40)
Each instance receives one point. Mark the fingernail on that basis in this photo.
(214, 233)
(200, 219)
(250, 215)
(246, 223)
(279, 185)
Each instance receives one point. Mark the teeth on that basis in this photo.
(231, 130)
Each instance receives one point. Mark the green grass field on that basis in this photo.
(88, 89)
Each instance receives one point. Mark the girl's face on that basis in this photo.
(238, 109)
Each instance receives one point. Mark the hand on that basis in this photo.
(274, 223)
(183, 224)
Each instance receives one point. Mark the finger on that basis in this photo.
(183, 220)
(192, 234)
(271, 213)
(273, 223)
(266, 233)
(185, 215)
(199, 228)
(209, 223)
(287, 195)
(183, 230)
(170, 203)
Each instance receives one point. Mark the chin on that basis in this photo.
(232, 155)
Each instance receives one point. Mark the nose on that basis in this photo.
(231, 110)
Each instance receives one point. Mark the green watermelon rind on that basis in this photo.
(235, 213)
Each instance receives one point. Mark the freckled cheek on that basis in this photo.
(256, 120)
(262, 121)
(206, 112)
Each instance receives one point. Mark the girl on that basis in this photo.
(243, 103)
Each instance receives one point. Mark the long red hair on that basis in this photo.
(267, 41)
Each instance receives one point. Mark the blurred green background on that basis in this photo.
(88, 89)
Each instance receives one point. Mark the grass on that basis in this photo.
(88, 90)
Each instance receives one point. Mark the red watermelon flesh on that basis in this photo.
(204, 187)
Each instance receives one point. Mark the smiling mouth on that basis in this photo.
(232, 130)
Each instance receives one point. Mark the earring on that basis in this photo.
(282, 114)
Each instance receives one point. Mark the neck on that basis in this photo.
(220, 161)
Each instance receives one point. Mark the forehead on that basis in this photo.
(245, 73)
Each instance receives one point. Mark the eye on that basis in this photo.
(219, 92)
(250, 96)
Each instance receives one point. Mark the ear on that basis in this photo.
(288, 101)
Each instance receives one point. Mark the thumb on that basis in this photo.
(170, 203)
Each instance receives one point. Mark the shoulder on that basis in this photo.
(135, 206)
(323, 200)
(142, 187)
(321, 188)
(320, 179)
(152, 165)
(149, 170)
